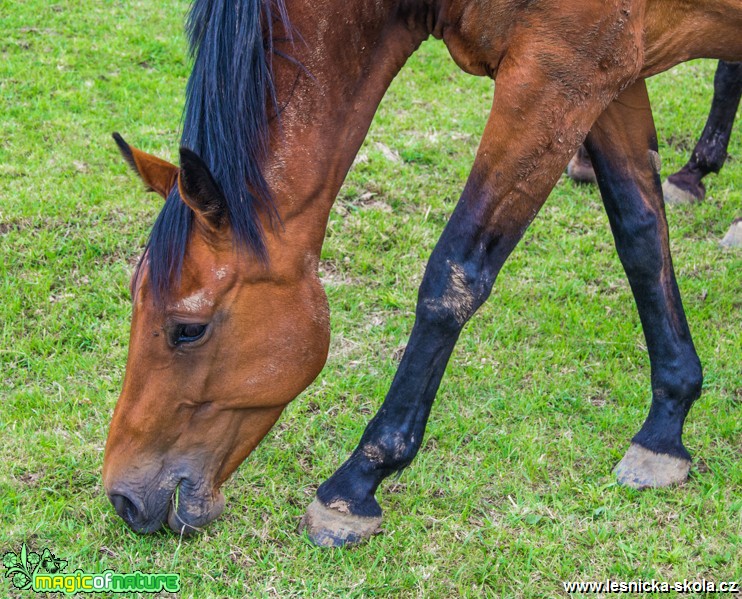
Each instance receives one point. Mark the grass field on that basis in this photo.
(512, 491)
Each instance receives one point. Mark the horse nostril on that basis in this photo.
(125, 508)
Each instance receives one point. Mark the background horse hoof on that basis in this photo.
(733, 238)
(676, 192)
(580, 168)
(329, 527)
(641, 468)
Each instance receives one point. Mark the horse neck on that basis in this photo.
(347, 62)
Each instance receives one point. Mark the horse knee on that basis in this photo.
(449, 296)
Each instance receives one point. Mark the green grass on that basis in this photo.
(512, 491)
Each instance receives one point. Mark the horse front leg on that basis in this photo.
(623, 148)
(456, 282)
(507, 186)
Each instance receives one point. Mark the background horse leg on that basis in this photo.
(506, 188)
(710, 152)
(623, 148)
(580, 169)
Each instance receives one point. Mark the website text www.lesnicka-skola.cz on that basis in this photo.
(653, 586)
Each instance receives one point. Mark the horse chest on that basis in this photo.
(476, 34)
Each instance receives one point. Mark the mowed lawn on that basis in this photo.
(512, 492)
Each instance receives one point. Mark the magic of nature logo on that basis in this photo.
(44, 573)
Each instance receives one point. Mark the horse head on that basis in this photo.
(213, 359)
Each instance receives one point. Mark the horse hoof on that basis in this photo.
(581, 170)
(332, 527)
(733, 238)
(677, 195)
(641, 468)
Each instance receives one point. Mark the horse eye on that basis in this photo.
(188, 333)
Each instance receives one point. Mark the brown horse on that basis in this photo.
(230, 321)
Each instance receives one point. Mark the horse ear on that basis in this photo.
(200, 191)
(157, 174)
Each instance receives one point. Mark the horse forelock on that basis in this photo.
(225, 121)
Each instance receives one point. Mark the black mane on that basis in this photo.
(225, 121)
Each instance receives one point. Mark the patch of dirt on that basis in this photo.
(398, 352)
(341, 347)
(701, 467)
(332, 275)
(388, 153)
(372, 198)
(683, 143)
(31, 478)
(599, 401)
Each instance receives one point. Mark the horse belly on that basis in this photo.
(680, 30)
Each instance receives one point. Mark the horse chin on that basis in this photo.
(192, 513)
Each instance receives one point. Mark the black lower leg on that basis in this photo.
(632, 196)
(458, 279)
(393, 437)
(711, 150)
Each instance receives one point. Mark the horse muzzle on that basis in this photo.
(183, 506)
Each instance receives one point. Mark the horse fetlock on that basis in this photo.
(685, 186)
(642, 468)
(681, 385)
(391, 452)
(334, 525)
